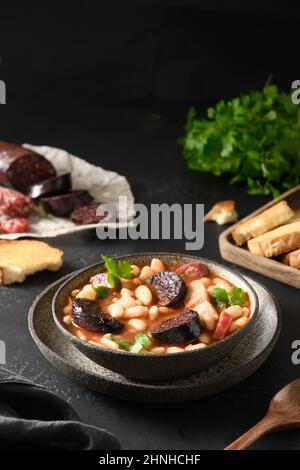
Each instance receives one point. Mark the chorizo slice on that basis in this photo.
(14, 225)
(193, 269)
(14, 204)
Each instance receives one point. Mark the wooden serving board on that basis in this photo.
(266, 266)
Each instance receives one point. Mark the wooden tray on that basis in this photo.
(269, 267)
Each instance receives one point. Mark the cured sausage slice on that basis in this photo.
(55, 185)
(14, 204)
(89, 315)
(15, 225)
(63, 204)
(193, 269)
(22, 167)
(168, 287)
(182, 328)
(88, 215)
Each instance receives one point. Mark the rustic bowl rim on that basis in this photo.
(161, 357)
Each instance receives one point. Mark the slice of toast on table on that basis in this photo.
(20, 258)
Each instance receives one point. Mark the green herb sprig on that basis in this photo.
(255, 138)
(222, 298)
(142, 341)
(117, 269)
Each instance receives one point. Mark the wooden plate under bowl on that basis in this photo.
(266, 266)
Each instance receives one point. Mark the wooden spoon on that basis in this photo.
(283, 413)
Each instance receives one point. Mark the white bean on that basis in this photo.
(135, 269)
(174, 349)
(67, 309)
(81, 335)
(67, 319)
(191, 347)
(93, 342)
(246, 312)
(136, 312)
(205, 281)
(146, 272)
(204, 338)
(126, 283)
(235, 311)
(163, 309)
(210, 288)
(75, 292)
(223, 284)
(116, 310)
(109, 343)
(157, 265)
(144, 294)
(126, 302)
(158, 350)
(237, 324)
(87, 293)
(137, 324)
(153, 312)
(241, 322)
(126, 292)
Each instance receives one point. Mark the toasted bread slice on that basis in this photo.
(278, 241)
(222, 212)
(269, 219)
(292, 259)
(20, 258)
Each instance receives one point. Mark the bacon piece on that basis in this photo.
(223, 325)
(15, 225)
(14, 204)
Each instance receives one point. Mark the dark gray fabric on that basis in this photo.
(32, 417)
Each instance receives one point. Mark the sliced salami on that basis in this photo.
(88, 215)
(62, 205)
(51, 186)
(15, 225)
(14, 204)
(22, 167)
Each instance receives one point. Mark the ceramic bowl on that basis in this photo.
(153, 367)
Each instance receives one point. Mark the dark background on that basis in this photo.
(112, 85)
(143, 50)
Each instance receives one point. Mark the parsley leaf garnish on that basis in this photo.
(101, 291)
(236, 296)
(222, 298)
(254, 139)
(117, 269)
(141, 341)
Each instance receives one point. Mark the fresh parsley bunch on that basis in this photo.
(255, 138)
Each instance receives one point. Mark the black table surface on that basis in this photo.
(139, 141)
